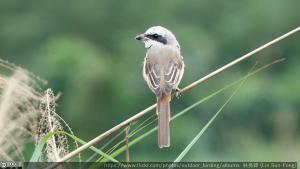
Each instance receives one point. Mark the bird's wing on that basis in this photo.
(163, 69)
(152, 75)
(173, 72)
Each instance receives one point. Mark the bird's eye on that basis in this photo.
(155, 35)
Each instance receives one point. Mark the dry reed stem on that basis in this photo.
(187, 88)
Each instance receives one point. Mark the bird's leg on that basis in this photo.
(178, 93)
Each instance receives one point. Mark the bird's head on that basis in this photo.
(157, 36)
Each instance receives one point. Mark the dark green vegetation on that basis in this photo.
(87, 51)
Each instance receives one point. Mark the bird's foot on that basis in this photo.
(178, 93)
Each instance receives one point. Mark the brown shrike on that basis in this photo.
(163, 70)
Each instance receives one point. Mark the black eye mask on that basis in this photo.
(157, 38)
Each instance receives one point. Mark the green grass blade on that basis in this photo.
(92, 147)
(38, 150)
(141, 125)
(105, 145)
(196, 138)
(138, 129)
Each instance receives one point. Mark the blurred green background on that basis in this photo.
(87, 51)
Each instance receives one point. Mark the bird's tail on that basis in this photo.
(163, 113)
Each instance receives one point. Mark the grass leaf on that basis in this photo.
(196, 138)
(41, 144)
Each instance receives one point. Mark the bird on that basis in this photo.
(163, 69)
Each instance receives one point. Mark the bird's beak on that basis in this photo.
(140, 37)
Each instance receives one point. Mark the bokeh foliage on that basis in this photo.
(87, 51)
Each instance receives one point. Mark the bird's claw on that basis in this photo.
(178, 93)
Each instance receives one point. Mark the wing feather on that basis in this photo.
(152, 76)
(163, 70)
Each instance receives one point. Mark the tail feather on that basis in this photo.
(163, 113)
